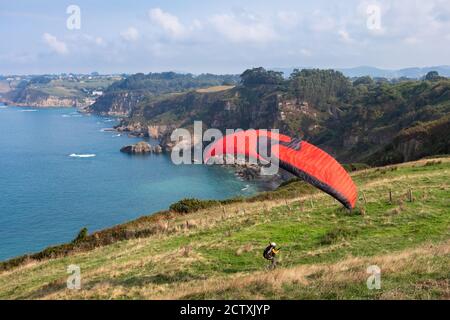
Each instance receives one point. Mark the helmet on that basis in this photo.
(273, 244)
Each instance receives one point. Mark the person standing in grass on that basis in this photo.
(270, 253)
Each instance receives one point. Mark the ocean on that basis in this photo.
(61, 171)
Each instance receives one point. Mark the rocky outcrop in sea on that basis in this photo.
(141, 148)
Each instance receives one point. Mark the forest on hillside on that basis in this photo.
(377, 121)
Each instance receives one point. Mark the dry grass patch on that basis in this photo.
(214, 89)
(350, 270)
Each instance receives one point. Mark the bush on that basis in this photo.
(351, 167)
(432, 163)
(192, 205)
(82, 235)
(288, 182)
(336, 234)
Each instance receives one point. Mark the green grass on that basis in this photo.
(325, 249)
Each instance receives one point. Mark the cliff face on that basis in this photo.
(116, 103)
(259, 108)
(416, 142)
(38, 99)
(359, 121)
(123, 97)
(53, 102)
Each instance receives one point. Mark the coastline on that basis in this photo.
(149, 192)
(150, 224)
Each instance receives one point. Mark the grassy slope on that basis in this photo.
(214, 89)
(325, 251)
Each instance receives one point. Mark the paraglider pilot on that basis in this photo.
(270, 254)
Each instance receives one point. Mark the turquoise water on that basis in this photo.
(47, 195)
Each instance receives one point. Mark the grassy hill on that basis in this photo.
(216, 252)
(122, 97)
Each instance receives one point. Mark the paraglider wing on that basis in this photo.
(318, 168)
(301, 158)
(229, 144)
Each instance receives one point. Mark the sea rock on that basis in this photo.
(134, 129)
(140, 147)
(157, 149)
(248, 172)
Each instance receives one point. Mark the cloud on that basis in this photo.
(345, 36)
(99, 41)
(288, 19)
(54, 44)
(168, 22)
(411, 40)
(243, 29)
(306, 52)
(319, 21)
(131, 34)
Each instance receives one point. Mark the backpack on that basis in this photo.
(267, 254)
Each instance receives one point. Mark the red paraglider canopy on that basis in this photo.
(301, 158)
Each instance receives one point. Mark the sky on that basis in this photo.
(230, 36)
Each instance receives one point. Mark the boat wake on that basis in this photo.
(88, 155)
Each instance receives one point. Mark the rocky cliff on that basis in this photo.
(416, 142)
(39, 99)
(116, 103)
(352, 121)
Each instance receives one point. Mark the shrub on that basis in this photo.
(432, 163)
(336, 234)
(82, 235)
(288, 182)
(351, 167)
(192, 205)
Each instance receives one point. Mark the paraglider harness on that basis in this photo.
(270, 252)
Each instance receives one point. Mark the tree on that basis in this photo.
(368, 81)
(319, 87)
(432, 76)
(257, 76)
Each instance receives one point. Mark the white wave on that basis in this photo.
(117, 135)
(3, 107)
(87, 155)
(28, 110)
(70, 115)
(245, 188)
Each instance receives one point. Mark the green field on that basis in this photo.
(64, 88)
(217, 252)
